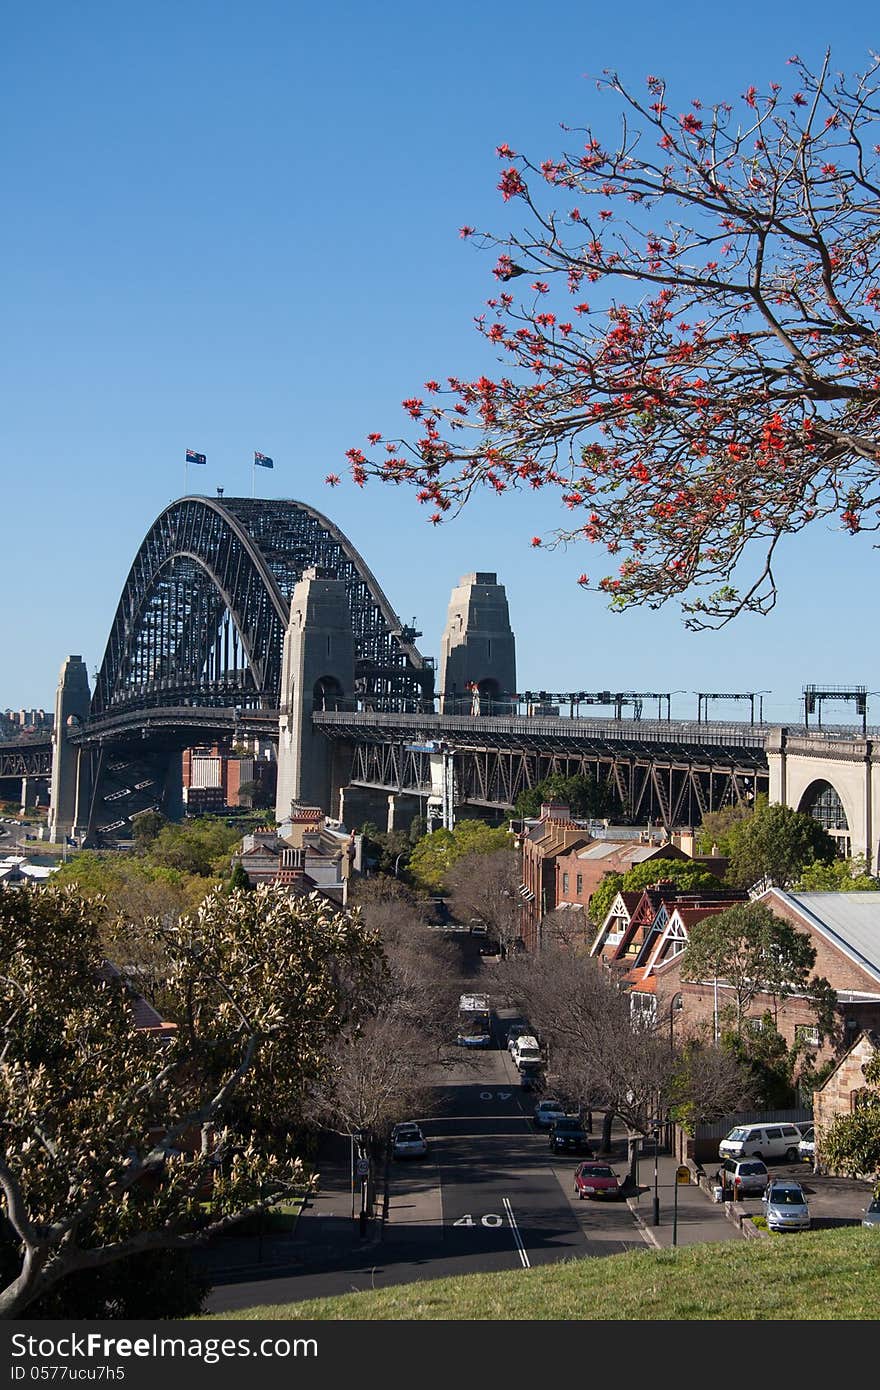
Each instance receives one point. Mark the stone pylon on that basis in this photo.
(71, 766)
(478, 652)
(317, 673)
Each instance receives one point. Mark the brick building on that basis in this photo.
(843, 928)
(842, 1089)
(213, 778)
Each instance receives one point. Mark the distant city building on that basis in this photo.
(15, 722)
(215, 779)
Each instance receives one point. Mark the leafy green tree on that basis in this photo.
(719, 826)
(581, 793)
(387, 852)
(776, 844)
(434, 855)
(686, 875)
(851, 1143)
(110, 1135)
(199, 846)
(751, 952)
(840, 876)
(238, 879)
(761, 1050)
(145, 827)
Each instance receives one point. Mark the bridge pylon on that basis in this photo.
(71, 766)
(318, 673)
(478, 649)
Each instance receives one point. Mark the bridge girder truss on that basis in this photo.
(204, 609)
(656, 787)
(22, 761)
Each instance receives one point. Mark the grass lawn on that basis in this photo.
(814, 1275)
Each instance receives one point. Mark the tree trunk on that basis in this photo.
(607, 1122)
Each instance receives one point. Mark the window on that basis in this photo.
(580, 884)
(807, 1033)
(643, 1010)
(565, 883)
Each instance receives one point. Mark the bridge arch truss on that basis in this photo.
(204, 609)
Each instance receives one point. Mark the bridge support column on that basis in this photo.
(70, 792)
(478, 653)
(172, 791)
(29, 793)
(318, 673)
(403, 809)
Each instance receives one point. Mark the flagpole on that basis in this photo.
(253, 477)
(185, 475)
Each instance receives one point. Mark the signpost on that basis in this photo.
(682, 1178)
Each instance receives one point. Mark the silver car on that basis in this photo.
(785, 1206)
(547, 1112)
(871, 1218)
(408, 1141)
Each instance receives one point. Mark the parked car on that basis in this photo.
(807, 1146)
(596, 1180)
(547, 1112)
(408, 1141)
(761, 1141)
(515, 1031)
(785, 1206)
(871, 1218)
(568, 1135)
(526, 1050)
(531, 1076)
(743, 1177)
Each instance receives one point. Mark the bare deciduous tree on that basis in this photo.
(484, 886)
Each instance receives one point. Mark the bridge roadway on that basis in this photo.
(671, 771)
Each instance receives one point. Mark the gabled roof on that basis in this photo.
(867, 1034)
(849, 921)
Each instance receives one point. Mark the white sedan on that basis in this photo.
(408, 1141)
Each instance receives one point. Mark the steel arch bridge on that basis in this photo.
(203, 612)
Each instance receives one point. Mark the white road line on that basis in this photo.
(526, 1262)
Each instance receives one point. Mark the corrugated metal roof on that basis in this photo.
(854, 918)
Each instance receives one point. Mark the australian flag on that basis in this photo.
(193, 457)
(262, 460)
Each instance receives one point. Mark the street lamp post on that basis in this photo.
(656, 1219)
(676, 1005)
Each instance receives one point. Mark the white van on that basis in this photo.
(761, 1141)
(526, 1051)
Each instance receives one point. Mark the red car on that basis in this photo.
(596, 1180)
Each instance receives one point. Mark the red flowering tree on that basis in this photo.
(691, 354)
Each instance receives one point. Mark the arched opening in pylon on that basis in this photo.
(822, 801)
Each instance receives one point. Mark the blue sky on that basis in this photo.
(234, 226)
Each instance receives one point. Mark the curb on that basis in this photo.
(646, 1232)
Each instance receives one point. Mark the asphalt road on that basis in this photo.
(489, 1197)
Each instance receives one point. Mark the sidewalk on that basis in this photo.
(325, 1236)
(700, 1219)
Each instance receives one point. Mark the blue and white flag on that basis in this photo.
(262, 460)
(193, 457)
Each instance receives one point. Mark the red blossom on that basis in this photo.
(466, 231)
(374, 438)
(510, 184)
(332, 480)
(583, 579)
(749, 96)
(536, 541)
(505, 152)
